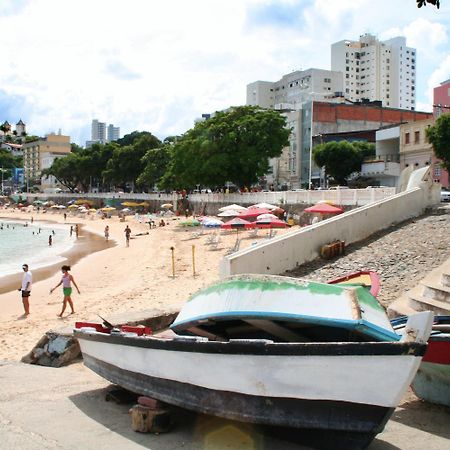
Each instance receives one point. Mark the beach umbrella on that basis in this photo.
(82, 201)
(252, 213)
(326, 201)
(267, 216)
(190, 223)
(130, 204)
(167, 205)
(60, 206)
(237, 223)
(229, 213)
(264, 206)
(211, 222)
(324, 208)
(126, 209)
(73, 206)
(108, 209)
(38, 202)
(233, 207)
(20, 205)
(271, 223)
(144, 204)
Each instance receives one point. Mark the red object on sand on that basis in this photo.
(251, 213)
(271, 223)
(237, 223)
(324, 208)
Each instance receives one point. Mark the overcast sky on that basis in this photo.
(157, 65)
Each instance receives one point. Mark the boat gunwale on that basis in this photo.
(261, 347)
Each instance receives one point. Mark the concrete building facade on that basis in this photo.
(113, 133)
(295, 88)
(377, 70)
(39, 155)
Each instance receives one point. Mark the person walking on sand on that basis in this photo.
(27, 281)
(107, 232)
(127, 235)
(66, 282)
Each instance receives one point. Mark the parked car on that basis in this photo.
(445, 195)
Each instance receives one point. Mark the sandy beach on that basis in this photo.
(116, 279)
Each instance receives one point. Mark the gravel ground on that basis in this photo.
(402, 255)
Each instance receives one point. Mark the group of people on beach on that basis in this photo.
(66, 281)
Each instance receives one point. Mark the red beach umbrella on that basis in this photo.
(252, 213)
(324, 208)
(271, 223)
(237, 223)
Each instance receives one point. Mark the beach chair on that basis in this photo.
(211, 239)
(253, 233)
(235, 247)
(195, 235)
(215, 244)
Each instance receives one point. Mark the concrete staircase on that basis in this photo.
(431, 294)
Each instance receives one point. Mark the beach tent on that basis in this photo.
(233, 207)
(271, 223)
(324, 208)
(252, 213)
(264, 206)
(237, 223)
(229, 213)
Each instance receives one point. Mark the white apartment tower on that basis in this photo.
(98, 131)
(377, 70)
(295, 88)
(113, 133)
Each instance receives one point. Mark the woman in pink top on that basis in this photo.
(66, 281)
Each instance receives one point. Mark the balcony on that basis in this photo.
(380, 169)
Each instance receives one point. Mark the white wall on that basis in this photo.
(295, 248)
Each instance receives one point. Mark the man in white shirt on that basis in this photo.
(27, 281)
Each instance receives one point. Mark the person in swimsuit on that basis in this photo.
(66, 281)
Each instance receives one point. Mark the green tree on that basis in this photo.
(439, 137)
(340, 159)
(68, 171)
(126, 163)
(155, 163)
(365, 149)
(231, 146)
(131, 138)
(8, 162)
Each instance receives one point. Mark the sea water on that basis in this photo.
(28, 243)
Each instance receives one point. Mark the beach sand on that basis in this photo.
(114, 280)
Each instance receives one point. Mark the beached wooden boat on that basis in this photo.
(366, 278)
(339, 394)
(284, 308)
(432, 381)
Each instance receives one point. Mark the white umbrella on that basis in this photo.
(211, 222)
(229, 213)
(266, 217)
(233, 207)
(264, 206)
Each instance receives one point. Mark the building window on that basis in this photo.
(416, 137)
(406, 138)
(437, 171)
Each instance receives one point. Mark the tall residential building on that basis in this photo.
(113, 133)
(295, 88)
(98, 131)
(377, 70)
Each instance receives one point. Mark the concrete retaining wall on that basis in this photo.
(292, 249)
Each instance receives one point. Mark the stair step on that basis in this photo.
(436, 291)
(420, 303)
(446, 279)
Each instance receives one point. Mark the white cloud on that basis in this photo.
(158, 65)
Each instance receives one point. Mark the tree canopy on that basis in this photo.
(8, 161)
(233, 145)
(341, 159)
(439, 137)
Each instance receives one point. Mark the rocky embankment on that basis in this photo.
(402, 255)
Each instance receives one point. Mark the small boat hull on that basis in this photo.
(346, 388)
(432, 381)
(367, 278)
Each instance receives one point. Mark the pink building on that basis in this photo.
(441, 105)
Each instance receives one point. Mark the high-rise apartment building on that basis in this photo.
(295, 88)
(377, 70)
(113, 133)
(101, 134)
(98, 131)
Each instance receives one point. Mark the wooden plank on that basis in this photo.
(277, 330)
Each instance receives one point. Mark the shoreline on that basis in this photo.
(89, 242)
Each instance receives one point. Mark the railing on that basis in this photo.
(355, 197)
